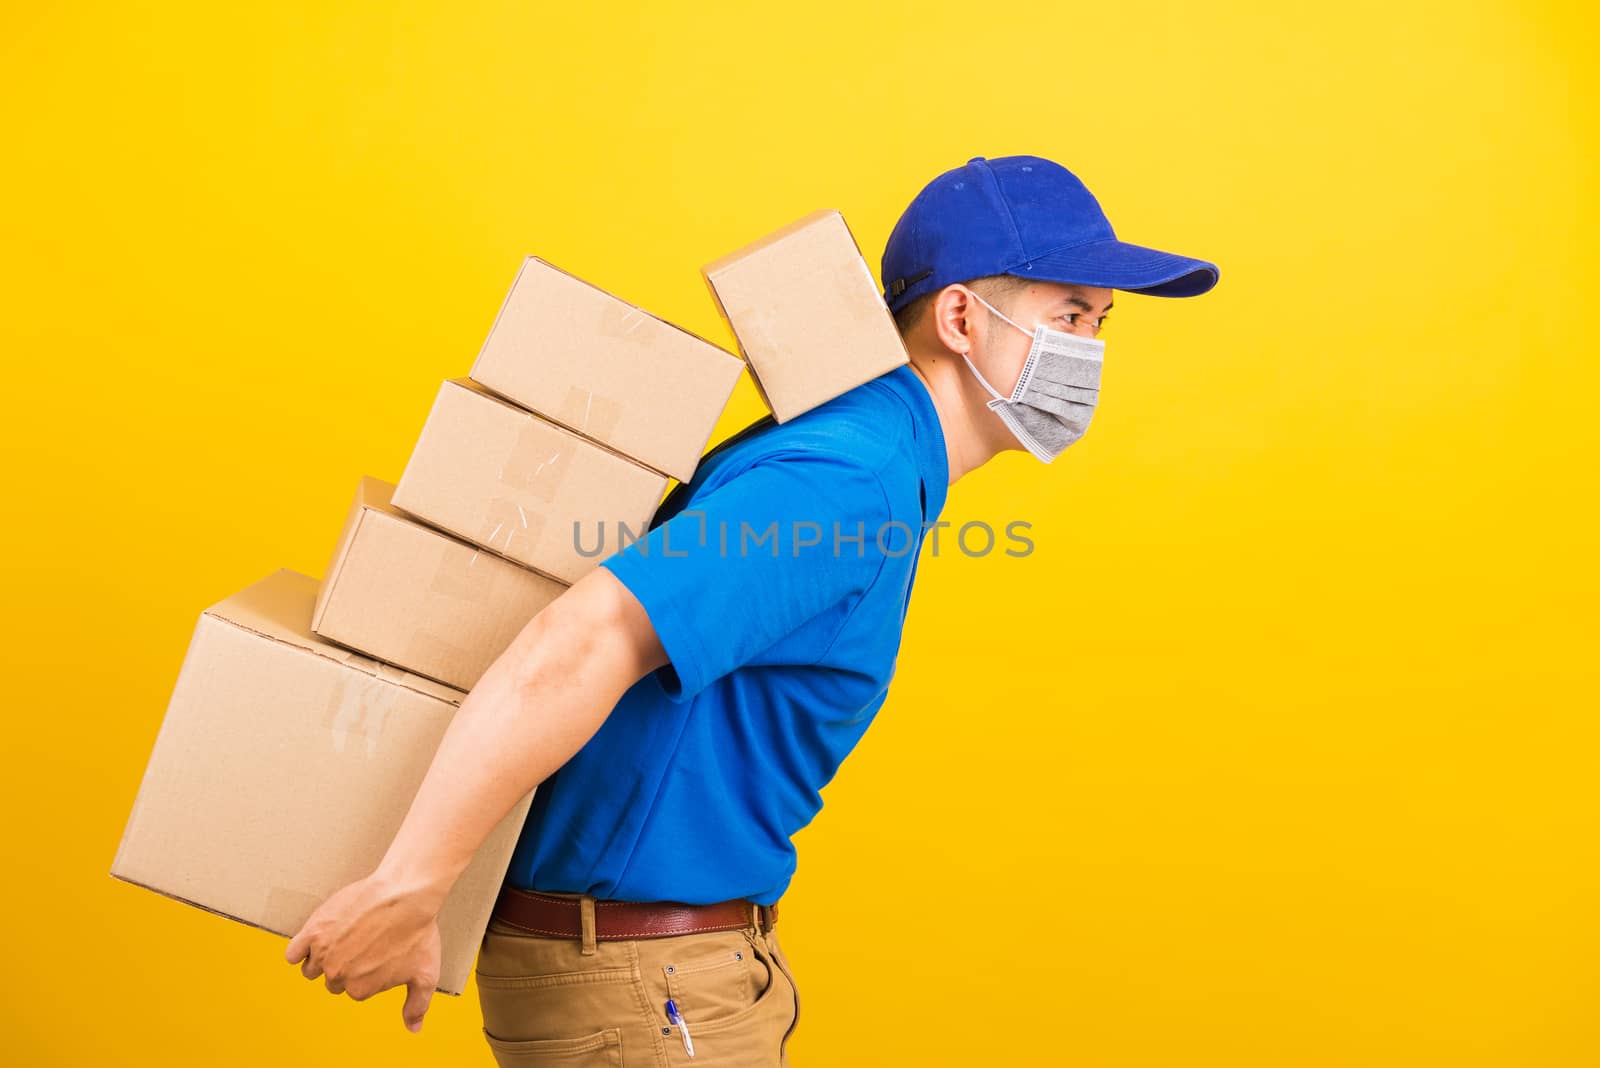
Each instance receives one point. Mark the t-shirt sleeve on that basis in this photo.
(752, 560)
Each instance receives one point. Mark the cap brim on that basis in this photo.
(1119, 265)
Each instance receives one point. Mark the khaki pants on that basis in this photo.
(574, 1003)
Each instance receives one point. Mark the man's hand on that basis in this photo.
(571, 663)
(368, 937)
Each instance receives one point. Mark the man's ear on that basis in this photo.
(952, 319)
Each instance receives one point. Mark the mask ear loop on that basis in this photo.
(1027, 366)
(998, 399)
(1002, 314)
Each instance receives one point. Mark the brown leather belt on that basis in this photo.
(561, 916)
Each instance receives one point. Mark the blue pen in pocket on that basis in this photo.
(677, 1018)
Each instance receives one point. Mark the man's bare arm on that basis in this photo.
(536, 706)
(533, 709)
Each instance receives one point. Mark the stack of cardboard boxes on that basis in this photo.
(525, 475)
(306, 715)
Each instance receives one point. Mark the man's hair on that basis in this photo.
(997, 289)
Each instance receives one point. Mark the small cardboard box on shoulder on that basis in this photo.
(807, 313)
(284, 767)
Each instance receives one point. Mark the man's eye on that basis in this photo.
(1071, 318)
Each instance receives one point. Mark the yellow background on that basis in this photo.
(1279, 749)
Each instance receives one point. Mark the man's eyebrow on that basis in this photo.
(1079, 302)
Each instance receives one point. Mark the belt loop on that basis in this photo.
(755, 917)
(586, 909)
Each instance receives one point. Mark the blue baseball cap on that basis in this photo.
(1026, 216)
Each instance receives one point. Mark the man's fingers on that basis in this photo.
(311, 968)
(297, 947)
(418, 995)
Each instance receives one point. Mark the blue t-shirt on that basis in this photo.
(777, 580)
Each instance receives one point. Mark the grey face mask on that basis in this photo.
(1056, 392)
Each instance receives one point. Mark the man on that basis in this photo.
(681, 706)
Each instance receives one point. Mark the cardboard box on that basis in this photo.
(283, 769)
(596, 364)
(807, 313)
(421, 599)
(542, 495)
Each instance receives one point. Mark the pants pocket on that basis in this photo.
(603, 1049)
(728, 1030)
(715, 977)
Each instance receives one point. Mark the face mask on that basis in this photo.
(1056, 392)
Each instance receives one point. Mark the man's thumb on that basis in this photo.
(418, 995)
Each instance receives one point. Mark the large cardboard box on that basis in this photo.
(488, 471)
(283, 769)
(807, 313)
(421, 599)
(595, 363)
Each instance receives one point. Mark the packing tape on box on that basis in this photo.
(589, 413)
(623, 321)
(511, 527)
(358, 707)
(474, 581)
(287, 909)
(428, 652)
(539, 461)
